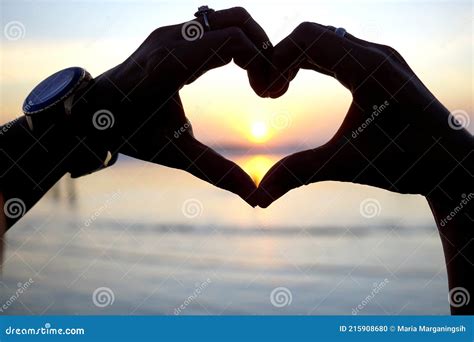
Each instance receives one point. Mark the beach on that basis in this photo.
(144, 239)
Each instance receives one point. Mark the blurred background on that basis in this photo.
(144, 239)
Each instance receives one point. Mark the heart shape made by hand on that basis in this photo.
(396, 135)
(383, 141)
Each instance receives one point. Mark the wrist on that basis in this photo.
(452, 200)
(448, 167)
(94, 121)
(452, 204)
(99, 97)
(31, 163)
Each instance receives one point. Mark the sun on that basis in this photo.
(259, 131)
(257, 166)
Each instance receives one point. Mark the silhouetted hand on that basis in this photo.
(143, 94)
(396, 134)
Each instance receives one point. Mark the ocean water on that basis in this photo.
(144, 239)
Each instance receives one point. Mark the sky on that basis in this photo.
(435, 37)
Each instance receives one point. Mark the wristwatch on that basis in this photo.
(52, 99)
(50, 103)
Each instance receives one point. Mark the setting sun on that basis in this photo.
(259, 132)
(257, 166)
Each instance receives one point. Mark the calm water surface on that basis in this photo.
(161, 242)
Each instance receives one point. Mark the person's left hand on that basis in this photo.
(142, 94)
(396, 135)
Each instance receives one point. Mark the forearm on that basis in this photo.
(80, 142)
(30, 164)
(452, 204)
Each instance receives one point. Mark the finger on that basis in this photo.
(280, 80)
(261, 58)
(205, 163)
(217, 48)
(337, 161)
(319, 46)
(291, 172)
(171, 142)
(239, 17)
(389, 51)
(186, 153)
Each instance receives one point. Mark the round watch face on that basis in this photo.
(52, 89)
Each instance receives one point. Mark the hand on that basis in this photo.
(396, 134)
(143, 94)
(135, 109)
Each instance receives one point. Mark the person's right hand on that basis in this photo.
(396, 134)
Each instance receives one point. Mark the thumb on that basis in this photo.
(333, 161)
(200, 160)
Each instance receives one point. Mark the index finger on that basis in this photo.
(319, 47)
(240, 17)
(257, 49)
